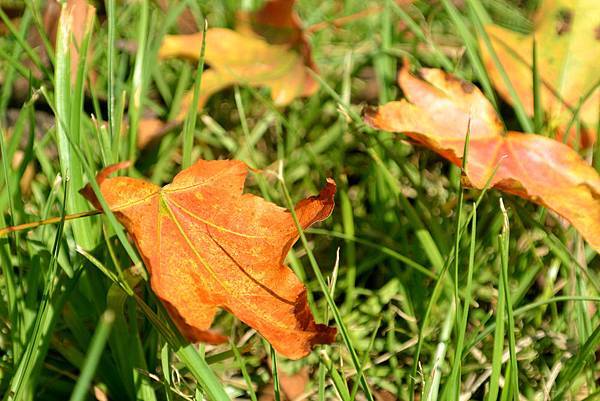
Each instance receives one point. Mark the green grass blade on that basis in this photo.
(538, 112)
(576, 364)
(455, 375)
(275, 374)
(189, 125)
(242, 364)
(472, 50)
(138, 82)
(526, 123)
(504, 247)
(93, 357)
(112, 61)
(68, 109)
(330, 301)
(444, 61)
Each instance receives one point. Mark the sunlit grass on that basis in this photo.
(439, 291)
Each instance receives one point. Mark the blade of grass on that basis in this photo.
(112, 61)
(498, 349)
(436, 293)
(93, 357)
(68, 110)
(424, 236)
(516, 100)
(45, 318)
(275, 374)
(366, 358)
(189, 124)
(20, 37)
(504, 249)
(444, 61)
(524, 310)
(472, 50)
(349, 231)
(165, 364)
(323, 286)
(336, 378)
(138, 82)
(383, 249)
(538, 113)
(576, 364)
(432, 387)
(242, 364)
(455, 375)
(13, 66)
(41, 30)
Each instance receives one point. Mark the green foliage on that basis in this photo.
(431, 295)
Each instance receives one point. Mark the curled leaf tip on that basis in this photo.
(88, 192)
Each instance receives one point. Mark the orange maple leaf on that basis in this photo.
(438, 111)
(208, 246)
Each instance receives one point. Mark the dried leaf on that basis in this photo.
(208, 246)
(292, 386)
(186, 23)
(259, 64)
(278, 23)
(567, 35)
(437, 112)
(268, 49)
(28, 174)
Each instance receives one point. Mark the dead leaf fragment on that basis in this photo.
(208, 246)
(437, 111)
(567, 51)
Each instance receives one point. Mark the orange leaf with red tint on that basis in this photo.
(208, 246)
(437, 112)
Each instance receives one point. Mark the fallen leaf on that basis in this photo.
(437, 112)
(28, 174)
(186, 22)
(278, 23)
(567, 35)
(208, 246)
(150, 130)
(383, 395)
(259, 64)
(268, 49)
(14, 12)
(292, 386)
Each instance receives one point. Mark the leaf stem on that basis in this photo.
(52, 220)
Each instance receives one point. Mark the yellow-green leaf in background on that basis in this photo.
(567, 36)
